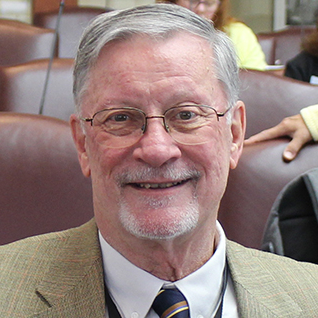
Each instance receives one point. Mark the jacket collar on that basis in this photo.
(257, 291)
(74, 285)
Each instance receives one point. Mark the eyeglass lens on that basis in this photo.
(189, 125)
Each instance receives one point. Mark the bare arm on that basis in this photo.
(293, 127)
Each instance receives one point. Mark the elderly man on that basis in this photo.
(158, 127)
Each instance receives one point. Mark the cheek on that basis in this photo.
(210, 16)
(103, 161)
(217, 168)
(214, 160)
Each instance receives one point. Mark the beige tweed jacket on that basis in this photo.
(60, 275)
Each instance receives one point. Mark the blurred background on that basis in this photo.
(260, 15)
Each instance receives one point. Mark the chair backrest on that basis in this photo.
(261, 173)
(72, 23)
(254, 185)
(281, 46)
(270, 98)
(21, 42)
(267, 43)
(42, 188)
(21, 88)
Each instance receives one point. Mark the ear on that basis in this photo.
(79, 138)
(238, 127)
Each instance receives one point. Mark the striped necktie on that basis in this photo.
(171, 303)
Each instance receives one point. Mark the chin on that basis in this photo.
(159, 227)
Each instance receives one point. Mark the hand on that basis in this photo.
(293, 127)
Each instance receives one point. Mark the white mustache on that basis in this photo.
(146, 174)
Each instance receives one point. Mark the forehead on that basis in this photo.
(140, 63)
(137, 50)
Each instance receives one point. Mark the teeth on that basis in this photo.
(157, 185)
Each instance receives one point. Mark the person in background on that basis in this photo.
(304, 66)
(249, 51)
(301, 128)
(158, 127)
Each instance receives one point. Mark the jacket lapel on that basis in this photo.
(74, 284)
(258, 293)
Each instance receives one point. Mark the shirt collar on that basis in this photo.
(133, 290)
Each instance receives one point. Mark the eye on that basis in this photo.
(114, 117)
(119, 117)
(185, 115)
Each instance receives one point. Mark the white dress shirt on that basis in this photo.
(133, 290)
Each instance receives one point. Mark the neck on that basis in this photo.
(169, 260)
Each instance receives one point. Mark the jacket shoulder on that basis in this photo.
(275, 262)
(32, 244)
(27, 263)
(272, 280)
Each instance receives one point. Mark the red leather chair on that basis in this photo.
(261, 173)
(72, 23)
(254, 185)
(42, 188)
(281, 46)
(267, 42)
(21, 88)
(21, 42)
(270, 98)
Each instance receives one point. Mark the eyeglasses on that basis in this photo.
(188, 124)
(208, 4)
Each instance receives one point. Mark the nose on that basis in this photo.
(156, 147)
(203, 11)
(201, 7)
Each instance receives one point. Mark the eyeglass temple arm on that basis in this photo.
(87, 120)
(222, 114)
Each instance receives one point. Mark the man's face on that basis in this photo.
(157, 188)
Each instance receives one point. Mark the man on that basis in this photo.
(158, 126)
(302, 128)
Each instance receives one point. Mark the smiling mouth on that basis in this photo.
(164, 185)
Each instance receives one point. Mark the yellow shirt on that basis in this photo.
(310, 117)
(248, 49)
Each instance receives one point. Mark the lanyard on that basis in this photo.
(113, 311)
(221, 299)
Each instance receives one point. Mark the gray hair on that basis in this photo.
(157, 21)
